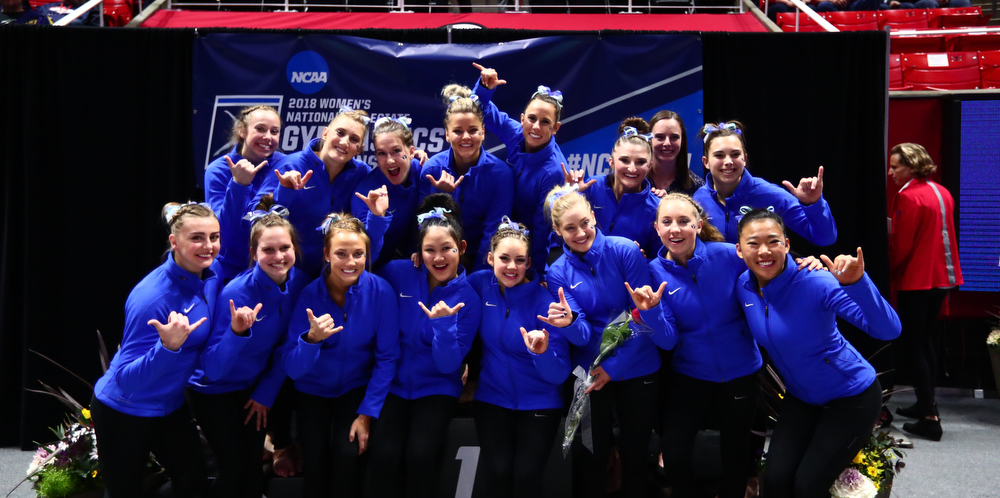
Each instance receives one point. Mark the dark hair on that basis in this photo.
(722, 131)
(344, 222)
(268, 221)
(462, 103)
(242, 123)
(514, 230)
(641, 126)
(451, 218)
(760, 214)
(392, 126)
(681, 168)
(709, 233)
(548, 99)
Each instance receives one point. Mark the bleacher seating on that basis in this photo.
(786, 21)
(909, 44)
(942, 71)
(903, 19)
(957, 17)
(973, 42)
(989, 64)
(856, 20)
(896, 73)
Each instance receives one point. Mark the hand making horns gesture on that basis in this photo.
(644, 297)
(294, 180)
(846, 269)
(244, 317)
(809, 189)
(575, 177)
(537, 341)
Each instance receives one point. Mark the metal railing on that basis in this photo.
(517, 6)
(823, 23)
(80, 11)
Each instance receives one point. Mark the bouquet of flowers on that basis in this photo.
(615, 334)
(993, 340)
(68, 466)
(872, 471)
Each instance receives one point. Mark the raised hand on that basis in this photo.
(575, 177)
(294, 180)
(244, 171)
(176, 330)
(600, 378)
(810, 262)
(320, 328)
(256, 409)
(846, 269)
(809, 190)
(441, 309)
(377, 200)
(488, 77)
(659, 192)
(421, 155)
(644, 297)
(446, 183)
(360, 429)
(537, 341)
(244, 317)
(560, 315)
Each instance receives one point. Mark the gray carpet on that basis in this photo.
(962, 465)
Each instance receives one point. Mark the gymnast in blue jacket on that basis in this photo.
(532, 154)
(525, 362)
(715, 359)
(623, 200)
(482, 184)
(439, 314)
(730, 191)
(319, 180)
(398, 172)
(240, 370)
(834, 396)
(138, 403)
(593, 273)
(342, 350)
(232, 181)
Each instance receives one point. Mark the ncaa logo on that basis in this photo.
(307, 72)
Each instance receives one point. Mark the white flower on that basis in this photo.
(853, 484)
(994, 338)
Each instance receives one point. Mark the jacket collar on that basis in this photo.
(779, 282)
(693, 263)
(186, 279)
(592, 257)
(740, 190)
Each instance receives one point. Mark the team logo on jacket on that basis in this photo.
(307, 72)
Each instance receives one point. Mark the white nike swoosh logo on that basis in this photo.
(309, 187)
(259, 318)
(575, 285)
(737, 398)
(189, 308)
(647, 382)
(673, 291)
(489, 304)
(403, 295)
(747, 304)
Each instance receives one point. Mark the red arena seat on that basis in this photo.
(857, 20)
(958, 17)
(903, 19)
(910, 44)
(786, 21)
(989, 64)
(974, 42)
(896, 73)
(942, 71)
(117, 12)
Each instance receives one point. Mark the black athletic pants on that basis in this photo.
(331, 465)
(238, 447)
(124, 442)
(514, 446)
(918, 313)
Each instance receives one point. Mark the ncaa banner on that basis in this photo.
(307, 78)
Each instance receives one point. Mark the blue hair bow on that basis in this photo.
(544, 90)
(325, 227)
(556, 195)
(746, 209)
(172, 210)
(711, 128)
(506, 222)
(473, 97)
(628, 131)
(363, 118)
(257, 214)
(405, 121)
(437, 212)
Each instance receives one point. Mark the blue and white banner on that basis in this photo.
(309, 77)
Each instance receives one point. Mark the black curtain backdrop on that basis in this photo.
(96, 137)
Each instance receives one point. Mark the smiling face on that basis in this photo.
(539, 124)
(393, 157)
(342, 140)
(196, 244)
(275, 253)
(260, 138)
(346, 253)
(465, 134)
(899, 172)
(678, 226)
(510, 261)
(441, 253)
(763, 247)
(630, 162)
(577, 228)
(726, 161)
(667, 134)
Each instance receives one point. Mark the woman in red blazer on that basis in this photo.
(923, 259)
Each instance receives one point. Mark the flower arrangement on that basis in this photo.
(69, 466)
(872, 471)
(993, 340)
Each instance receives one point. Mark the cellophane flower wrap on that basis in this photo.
(621, 329)
(852, 484)
(68, 466)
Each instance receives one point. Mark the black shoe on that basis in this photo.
(926, 427)
(909, 412)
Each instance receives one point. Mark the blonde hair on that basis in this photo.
(916, 158)
(174, 213)
(395, 127)
(242, 122)
(560, 199)
(462, 102)
(358, 116)
(709, 233)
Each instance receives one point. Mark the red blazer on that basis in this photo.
(923, 250)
